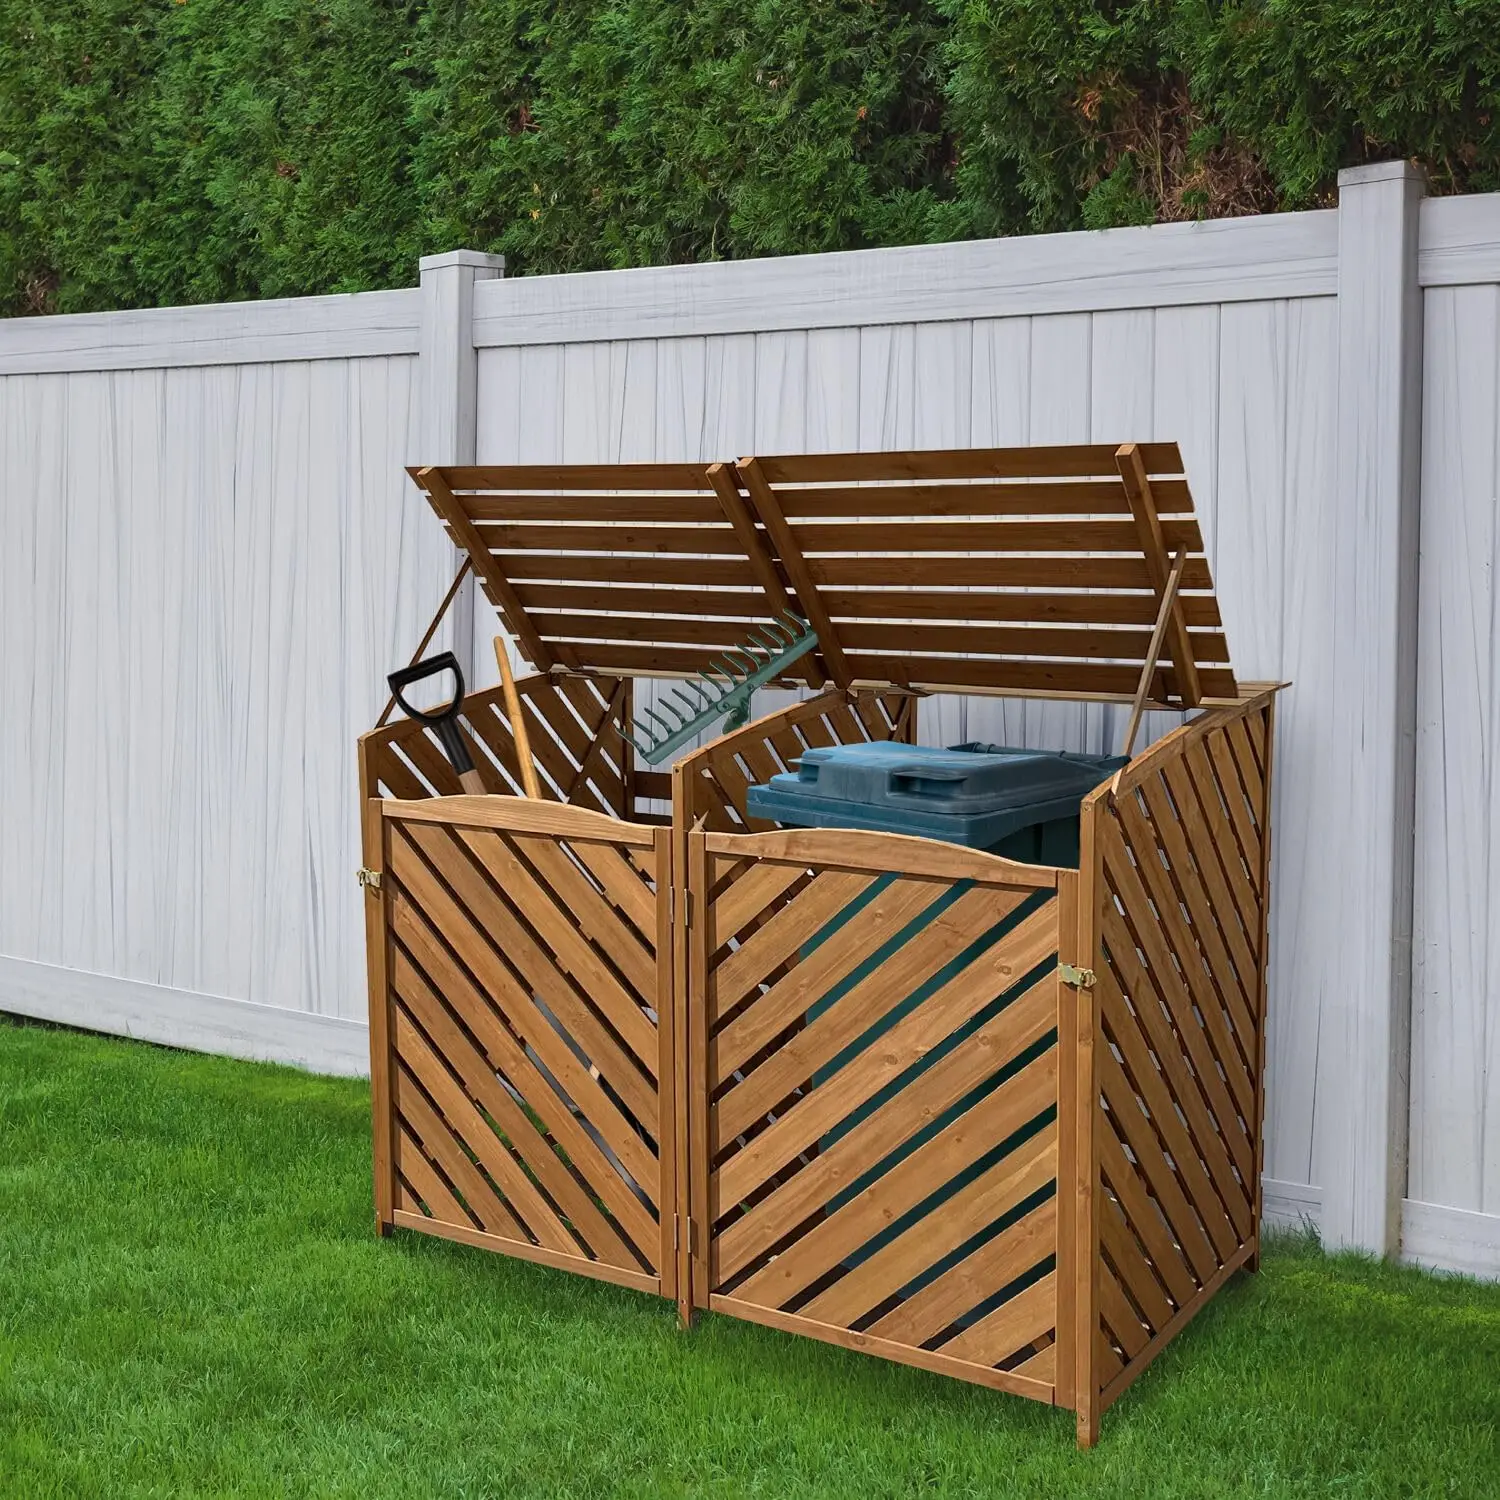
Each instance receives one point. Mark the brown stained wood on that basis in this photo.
(382, 1113)
(517, 720)
(1010, 1327)
(687, 993)
(435, 993)
(547, 912)
(623, 886)
(1146, 1220)
(427, 635)
(957, 1219)
(753, 544)
(978, 1275)
(1120, 1317)
(902, 1354)
(1069, 1041)
(763, 501)
(580, 1266)
(515, 478)
(1268, 761)
(873, 925)
(1156, 545)
(859, 1080)
(1176, 963)
(1099, 680)
(1008, 963)
(1080, 644)
(702, 940)
(669, 1083)
(1217, 748)
(616, 536)
(438, 1141)
(1154, 650)
(879, 570)
(389, 775)
(884, 854)
(762, 886)
(1133, 1269)
(659, 629)
(638, 569)
(945, 1156)
(1078, 1180)
(905, 535)
(436, 485)
(1242, 752)
(541, 1220)
(523, 816)
(481, 923)
(781, 937)
(995, 605)
(1041, 462)
(623, 600)
(1075, 497)
(634, 507)
(426, 1183)
(1198, 782)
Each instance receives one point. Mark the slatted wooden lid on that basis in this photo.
(1030, 571)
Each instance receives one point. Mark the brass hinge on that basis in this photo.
(369, 879)
(1080, 979)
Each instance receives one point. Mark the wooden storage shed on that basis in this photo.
(610, 1039)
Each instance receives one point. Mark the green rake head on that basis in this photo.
(723, 687)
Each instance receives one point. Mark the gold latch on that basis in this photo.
(1080, 979)
(369, 879)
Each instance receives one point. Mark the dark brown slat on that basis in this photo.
(1082, 497)
(901, 537)
(1119, 1316)
(510, 478)
(635, 568)
(1099, 643)
(1200, 610)
(1011, 1326)
(1055, 462)
(618, 598)
(1067, 572)
(717, 540)
(1146, 1220)
(1020, 676)
(484, 507)
(708, 633)
(425, 1182)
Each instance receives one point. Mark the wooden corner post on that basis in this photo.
(382, 1094)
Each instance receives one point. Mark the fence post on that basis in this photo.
(1367, 988)
(448, 383)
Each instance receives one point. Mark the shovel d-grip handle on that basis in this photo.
(443, 719)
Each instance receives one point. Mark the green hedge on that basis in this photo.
(165, 151)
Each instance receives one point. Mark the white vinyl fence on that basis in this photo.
(212, 557)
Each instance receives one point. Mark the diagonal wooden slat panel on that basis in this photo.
(1223, 841)
(889, 911)
(1133, 1268)
(979, 1275)
(578, 1085)
(429, 1188)
(956, 1219)
(1237, 734)
(1028, 1018)
(1218, 754)
(946, 1155)
(924, 1100)
(1009, 961)
(478, 1074)
(1147, 1220)
(1119, 1317)
(438, 1141)
(623, 884)
(476, 917)
(540, 1219)
(780, 937)
(760, 885)
(1012, 1325)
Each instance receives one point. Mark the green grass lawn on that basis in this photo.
(192, 1301)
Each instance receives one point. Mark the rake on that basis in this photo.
(723, 687)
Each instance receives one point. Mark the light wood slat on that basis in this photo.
(636, 568)
(598, 922)
(1148, 932)
(1147, 1221)
(1134, 1270)
(844, 724)
(1210, 869)
(875, 996)
(635, 901)
(950, 1152)
(1222, 840)
(708, 634)
(903, 535)
(483, 919)
(498, 587)
(957, 1219)
(958, 1001)
(432, 765)
(1217, 748)
(1041, 1366)
(522, 815)
(538, 1161)
(1235, 988)
(392, 776)
(558, 744)
(1121, 1319)
(527, 1203)
(1243, 753)
(579, 598)
(1107, 1363)
(577, 1085)
(1152, 1089)
(503, 1054)
(425, 1182)
(633, 507)
(1200, 610)
(554, 926)
(922, 1359)
(406, 1199)
(1011, 1326)
(515, 478)
(505, 539)
(885, 915)
(1079, 644)
(763, 884)
(871, 570)
(771, 945)
(497, 738)
(980, 1274)
(1076, 497)
(1101, 680)
(1128, 1118)
(1058, 461)
(437, 1140)
(1204, 1099)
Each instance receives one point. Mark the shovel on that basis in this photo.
(444, 718)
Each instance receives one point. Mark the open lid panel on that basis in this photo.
(1020, 571)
